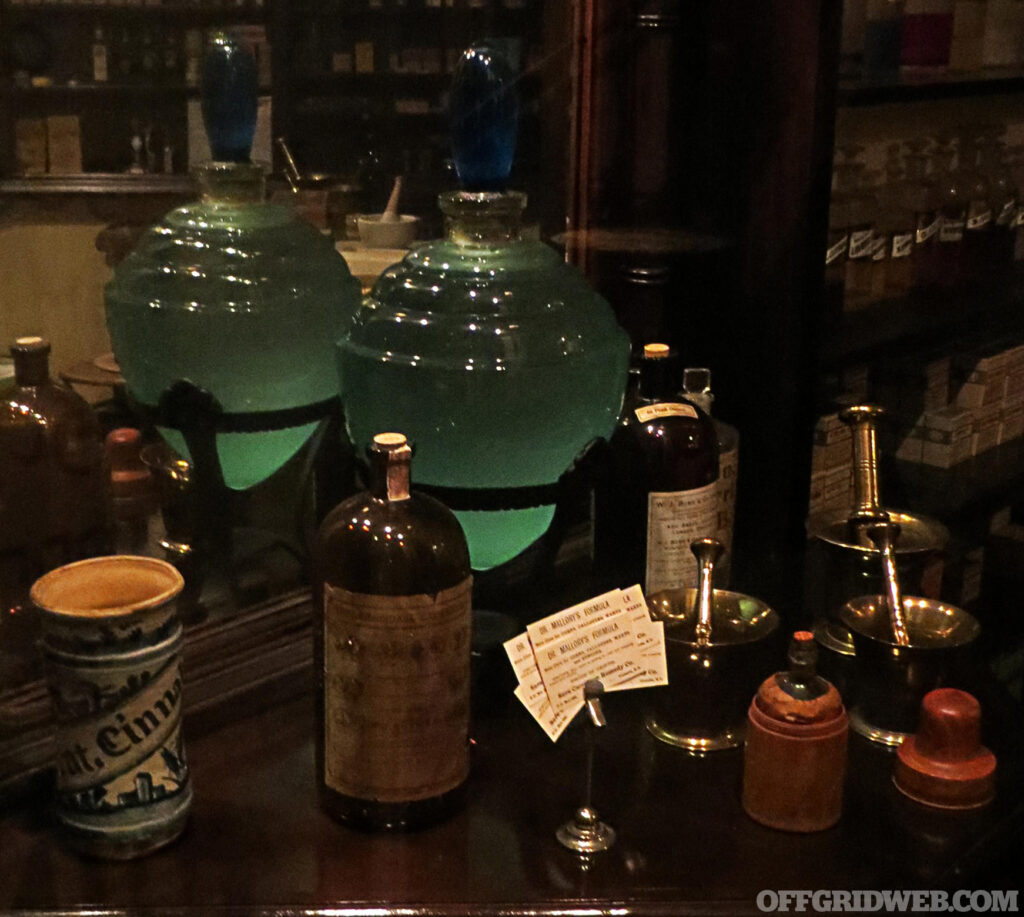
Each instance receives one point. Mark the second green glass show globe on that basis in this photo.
(487, 350)
(494, 358)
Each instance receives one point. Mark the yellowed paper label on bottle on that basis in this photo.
(665, 409)
(396, 693)
(728, 469)
(674, 520)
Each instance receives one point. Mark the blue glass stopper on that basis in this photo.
(229, 99)
(485, 114)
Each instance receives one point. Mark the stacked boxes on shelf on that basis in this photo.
(831, 467)
(1011, 417)
(942, 411)
(989, 384)
(946, 437)
(915, 394)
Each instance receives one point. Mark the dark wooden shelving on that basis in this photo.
(97, 183)
(383, 82)
(918, 87)
(924, 318)
(982, 484)
(203, 14)
(389, 8)
(86, 90)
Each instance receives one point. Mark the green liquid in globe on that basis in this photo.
(494, 358)
(244, 300)
(246, 459)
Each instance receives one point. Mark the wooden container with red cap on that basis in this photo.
(795, 756)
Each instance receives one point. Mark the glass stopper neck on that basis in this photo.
(231, 182)
(484, 217)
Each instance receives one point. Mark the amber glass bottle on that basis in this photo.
(54, 499)
(657, 490)
(392, 642)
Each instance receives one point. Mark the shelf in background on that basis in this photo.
(202, 14)
(916, 87)
(925, 318)
(97, 183)
(378, 82)
(982, 484)
(79, 90)
(391, 8)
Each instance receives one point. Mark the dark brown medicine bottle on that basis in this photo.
(657, 489)
(392, 643)
(54, 497)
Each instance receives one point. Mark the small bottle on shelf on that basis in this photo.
(976, 252)
(133, 494)
(953, 212)
(658, 487)
(898, 225)
(927, 34)
(881, 242)
(968, 32)
(1002, 198)
(859, 268)
(171, 58)
(883, 31)
(920, 195)
(1004, 26)
(100, 72)
(148, 57)
(126, 63)
(392, 646)
(193, 56)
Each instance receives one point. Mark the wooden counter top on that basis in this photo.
(257, 843)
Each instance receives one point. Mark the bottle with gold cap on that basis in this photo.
(794, 761)
(657, 489)
(392, 644)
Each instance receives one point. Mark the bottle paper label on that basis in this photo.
(878, 249)
(396, 693)
(1018, 217)
(665, 409)
(728, 469)
(861, 242)
(835, 252)
(951, 231)
(924, 233)
(675, 519)
(1006, 215)
(979, 219)
(902, 245)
